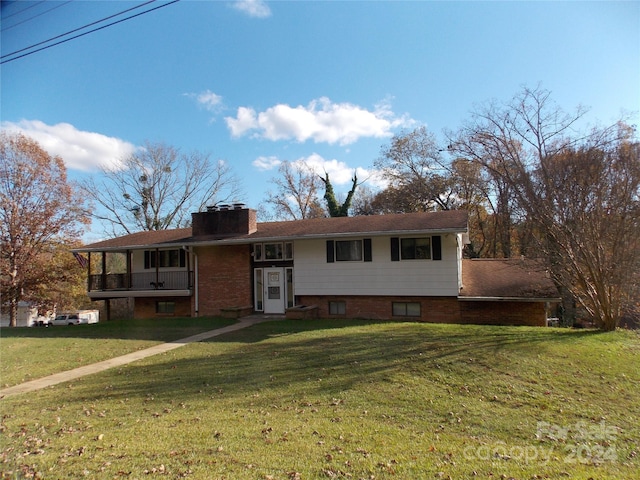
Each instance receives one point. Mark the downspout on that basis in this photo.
(196, 282)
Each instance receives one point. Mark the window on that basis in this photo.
(273, 251)
(258, 289)
(165, 307)
(420, 248)
(290, 295)
(337, 308)
(349, 250)
(406, 309)
(415, 248)
(165, 258)
(288, 251)
(263, 252)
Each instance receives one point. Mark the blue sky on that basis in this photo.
(256, 83)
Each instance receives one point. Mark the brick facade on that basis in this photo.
(432, 309)
(238, 221)
(224, 278)
(145, 307)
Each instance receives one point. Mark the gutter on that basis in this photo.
(508, 299)
(249, 239)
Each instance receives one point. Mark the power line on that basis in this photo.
(23, 10)
(76, 29)
(35, 16)
(83, 34)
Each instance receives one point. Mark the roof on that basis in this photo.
(141, 239)
(506, 279)
(372, 225)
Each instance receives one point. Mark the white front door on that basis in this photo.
(274, 293)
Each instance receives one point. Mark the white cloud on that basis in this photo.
(321, 121)
(253, 8)
(266, 163)
(245, 121)
(85, 151)
(339, 172)
(209, 100)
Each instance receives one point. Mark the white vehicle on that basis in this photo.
(77, 318)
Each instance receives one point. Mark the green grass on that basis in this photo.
(30, 353)
(345, 399)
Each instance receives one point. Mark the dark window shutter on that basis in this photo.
(183, 257)
(147, 259)
(330, 251)
(367, 249)
(395, 249)
(436, 246)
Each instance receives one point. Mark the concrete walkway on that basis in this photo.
(69, 375)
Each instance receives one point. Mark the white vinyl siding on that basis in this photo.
(315, 276)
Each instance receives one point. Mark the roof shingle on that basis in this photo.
(506, 278)
(447, 221)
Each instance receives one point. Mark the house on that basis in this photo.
(402, 266)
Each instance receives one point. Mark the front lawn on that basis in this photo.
(35, 352)
(345, 399)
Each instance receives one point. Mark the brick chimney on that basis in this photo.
(224, 220)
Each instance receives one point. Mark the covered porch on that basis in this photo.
(138, 273)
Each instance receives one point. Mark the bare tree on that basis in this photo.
(363, 202)
(413, 165)
(471, 187)
(578, 191)
(158, 188)
(39, 209)
(296, 195)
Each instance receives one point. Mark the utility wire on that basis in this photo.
(75, 30)
(85, 33)
(23, 10)
(36, 16)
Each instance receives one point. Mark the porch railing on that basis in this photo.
(141, 281)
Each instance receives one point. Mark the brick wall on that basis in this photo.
(224, 278)
(432, 309)
(504, 313)
(146, 307)
(224, 222)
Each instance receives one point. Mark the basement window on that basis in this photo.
(406, 309)
(165, 307)
(337, 308)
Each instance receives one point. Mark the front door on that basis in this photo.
(274, 293)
